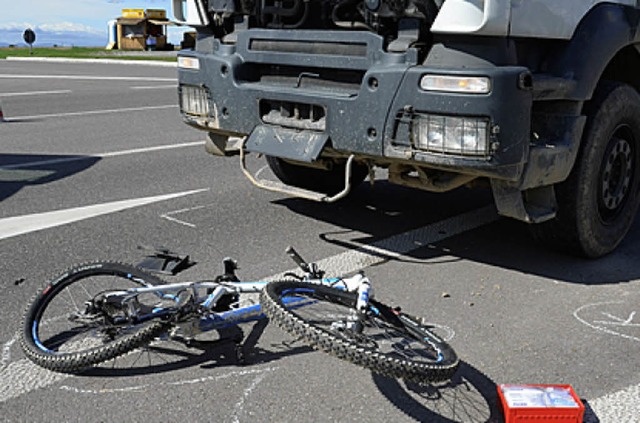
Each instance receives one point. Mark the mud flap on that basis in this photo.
(303, 146)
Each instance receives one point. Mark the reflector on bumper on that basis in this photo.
(465, 136)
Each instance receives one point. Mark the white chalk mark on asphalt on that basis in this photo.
(239, 407)
(154, 386)
(169, 216)
(600, 327)
(618, 321)
(19, 225)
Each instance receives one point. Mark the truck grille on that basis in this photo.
(355, 49)
(344, 83)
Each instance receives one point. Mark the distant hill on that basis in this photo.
(47, 38)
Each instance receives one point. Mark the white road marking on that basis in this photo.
(93, 112)
(23, 175)
(103, 155)
(106, 60)
(6, 351)
(154, 87)
(149, 149)
(28, 93)
(18, 225)
(87, 77)
(617, 407)
(395, 246)
(23, 376)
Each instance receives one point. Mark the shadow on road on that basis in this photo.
(470, 397)
(370, 215)
(167, 356)
(20, 170)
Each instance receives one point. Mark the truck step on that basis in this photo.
(277, 186)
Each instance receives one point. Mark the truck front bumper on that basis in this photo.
(346, 92)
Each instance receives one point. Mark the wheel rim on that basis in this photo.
(63, 326)
(377, 335)
(616, 175)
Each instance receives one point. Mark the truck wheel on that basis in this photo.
(598, 203)
(320, 180)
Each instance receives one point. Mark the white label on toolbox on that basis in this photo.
(523, 396)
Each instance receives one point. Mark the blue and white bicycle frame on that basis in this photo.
(199, 310)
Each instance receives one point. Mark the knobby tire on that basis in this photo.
(48, 335)
(364, 349)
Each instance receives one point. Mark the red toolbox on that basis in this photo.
(540, 403)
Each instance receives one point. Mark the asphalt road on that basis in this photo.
(95, 161)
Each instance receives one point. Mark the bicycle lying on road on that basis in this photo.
(99, 311)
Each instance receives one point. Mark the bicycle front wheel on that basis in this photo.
(63, 329)
(388, 342)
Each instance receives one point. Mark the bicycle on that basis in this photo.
(96, 312)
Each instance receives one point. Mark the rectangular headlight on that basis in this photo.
(194, 100)
(456, 84)
(465, 136)
(191, 63)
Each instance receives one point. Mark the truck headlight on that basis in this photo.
(456, 84)
(465, 136)
(194, 100)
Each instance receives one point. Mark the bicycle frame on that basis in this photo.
(206, 319)
(76, 321)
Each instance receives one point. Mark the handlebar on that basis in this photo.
(311, 269)
(291, 252)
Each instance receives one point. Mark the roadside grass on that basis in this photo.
(80, 53)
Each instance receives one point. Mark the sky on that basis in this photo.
(69, 22)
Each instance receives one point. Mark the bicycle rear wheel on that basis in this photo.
(391, 343)
(63, 330)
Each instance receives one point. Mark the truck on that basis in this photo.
(537, 98)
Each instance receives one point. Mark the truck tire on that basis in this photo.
(598, 203)
(320, 180)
